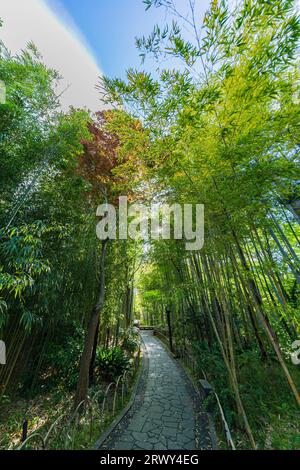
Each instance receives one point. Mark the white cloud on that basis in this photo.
(58, 39)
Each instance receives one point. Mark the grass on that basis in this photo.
(42, 411)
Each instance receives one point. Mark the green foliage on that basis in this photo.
(272, 411)
(62, 357)
(208, 362)
(131, 340)
(26, 118)
(21, 253)
(111, 363)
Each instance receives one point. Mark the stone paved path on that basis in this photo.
(164, 415)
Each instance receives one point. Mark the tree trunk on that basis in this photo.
(85, 361)
(169, 329)
(92, 363)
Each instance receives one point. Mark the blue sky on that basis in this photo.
(83, 39)
(110, 27)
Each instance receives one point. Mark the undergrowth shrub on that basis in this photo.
(131, 340)
(111, 363)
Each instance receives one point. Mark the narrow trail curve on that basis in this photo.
(164, 414)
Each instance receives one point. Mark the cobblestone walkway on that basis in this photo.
(163, 416)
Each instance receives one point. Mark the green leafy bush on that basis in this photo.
(131, 340)
(111, 363)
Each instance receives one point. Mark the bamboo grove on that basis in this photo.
(225, 129)
(216, 124)
(50, 255)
